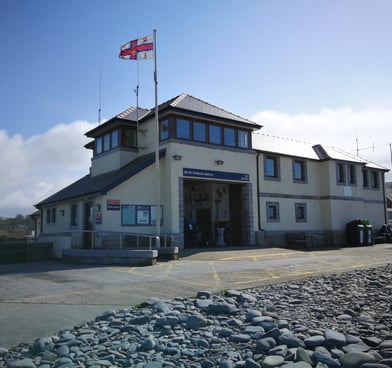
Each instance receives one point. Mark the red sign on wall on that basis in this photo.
(113, 205)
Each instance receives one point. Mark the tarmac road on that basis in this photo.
(41, 299)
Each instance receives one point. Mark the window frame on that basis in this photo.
(351, 175)
(303, 171)
(211, 134)
(243, 134)
(229, 141)
(365, 179)
(180, 125)
(302, 209)
(276, 167)
(164, 129)
(340, 173)
(203, 130)
(374, 180)
(274, 207)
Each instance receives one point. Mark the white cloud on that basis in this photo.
(36, 167)
(339, 128)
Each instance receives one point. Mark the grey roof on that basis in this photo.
(181, 103)
(301, 149)
(190, 103)
(101, 184)
(133, 114)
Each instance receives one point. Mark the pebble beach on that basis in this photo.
(340, 320)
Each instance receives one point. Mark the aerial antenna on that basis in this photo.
(100, 94)
(363, 148)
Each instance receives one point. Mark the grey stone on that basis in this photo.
(221, 308)
(265, 344)
(250, 363)
(297, 365)
(335, 338)
(272, 361)
(42, 344)
(226, 364)
(313, 341)
(291, 341)
(196, 322)
(22, 363)
(279, 350)
(149, 343)
(239, 338)
(361, 346)
(355, 359)
(318, 357)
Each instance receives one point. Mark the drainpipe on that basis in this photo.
(385, 199)
(258, 196)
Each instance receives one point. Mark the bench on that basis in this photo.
(297, 239)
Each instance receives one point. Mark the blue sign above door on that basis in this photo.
(210, 174)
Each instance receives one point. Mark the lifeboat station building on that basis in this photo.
(221, 183)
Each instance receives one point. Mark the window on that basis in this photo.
(299, 171)
(271, 167)
(199, 132)
(183, 129)
(340, 177)
(74, 215)
(300, 212)
(243, 139)
(375, 179)
(164, 129)
(106, 142)
(129, 138)
(114, 141)
(205, 132)
(215, 134)
(98, 145)
(273, 212)
(365, 178)
(51, 215)
(229, 137)
(351, 175)
(137, 215)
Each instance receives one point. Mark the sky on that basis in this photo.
(317, 71)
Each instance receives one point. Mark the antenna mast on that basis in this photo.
(364, 148)
(100, 94)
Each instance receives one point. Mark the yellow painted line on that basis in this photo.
(168, 269)
(285, 254)
(124, 270)
(251, 281)
(214, 273)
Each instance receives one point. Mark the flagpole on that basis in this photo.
(158, 204)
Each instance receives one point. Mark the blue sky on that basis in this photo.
(316, 70)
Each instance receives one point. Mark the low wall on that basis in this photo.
(318, 239)
(138, 257)
(24, 251)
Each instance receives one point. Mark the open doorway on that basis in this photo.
(213, 213)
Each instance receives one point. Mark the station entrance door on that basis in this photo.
(214, 213)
